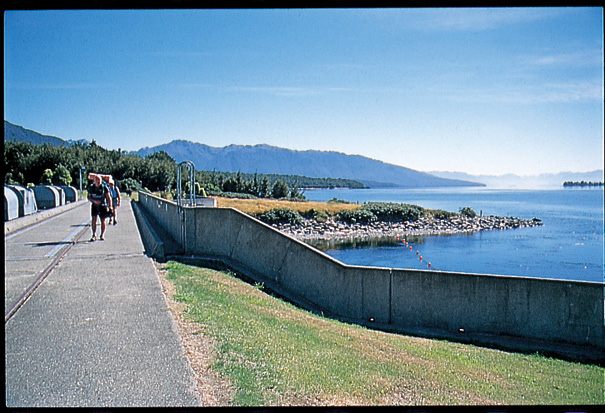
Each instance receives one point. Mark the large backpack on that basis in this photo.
(113, 192)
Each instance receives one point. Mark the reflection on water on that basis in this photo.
(347, 243)
(568, 246)
(351, 243)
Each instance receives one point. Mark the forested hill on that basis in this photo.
(275, 160)
(20, 134)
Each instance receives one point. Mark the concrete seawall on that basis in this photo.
(529, 314)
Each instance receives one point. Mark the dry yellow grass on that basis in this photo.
(256, 206)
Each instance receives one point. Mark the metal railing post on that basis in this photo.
(179, 197)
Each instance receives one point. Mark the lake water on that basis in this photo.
(568, 246)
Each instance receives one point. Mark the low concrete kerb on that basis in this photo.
(28, 220)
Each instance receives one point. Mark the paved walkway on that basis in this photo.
(97, 331)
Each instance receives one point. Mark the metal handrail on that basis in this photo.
(179, 197)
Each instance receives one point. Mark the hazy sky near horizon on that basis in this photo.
(482, 91)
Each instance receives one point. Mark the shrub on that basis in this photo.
(280, 216)
(468, 212)
(393, 212)
(237, 195)
(441, 214)
(361, 215)
(317, 215)
(129, 184)
(340, 201)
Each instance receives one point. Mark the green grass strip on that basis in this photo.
(276, 354)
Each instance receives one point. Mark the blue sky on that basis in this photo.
(482, 91)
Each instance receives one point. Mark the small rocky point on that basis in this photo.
(331, 230)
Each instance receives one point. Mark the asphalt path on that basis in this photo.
(97, 331)
(30, 250)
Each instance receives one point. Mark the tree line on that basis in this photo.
(581, 183)
(29, 164)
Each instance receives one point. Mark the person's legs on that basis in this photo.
(93, 225)
(103, 214)
(103, 226)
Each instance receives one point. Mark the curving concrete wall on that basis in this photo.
(440, 303)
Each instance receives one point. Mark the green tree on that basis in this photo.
(239, 185)
(280, 189)
(47, 177)
(263, 190)
(255, 186)
(295, 192)
(158, 172)
(61, 176)
(12, 179)
(229, 185)
(128, 185)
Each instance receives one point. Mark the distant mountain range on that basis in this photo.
(311, 163)
(19, 133)
(546, 180)
(318, 164)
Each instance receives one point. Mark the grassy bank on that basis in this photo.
(258, 206)
(276, 354)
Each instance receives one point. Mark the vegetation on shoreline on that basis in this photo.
(275, 354)
(289, 211)
(567, 184)
(256, 207)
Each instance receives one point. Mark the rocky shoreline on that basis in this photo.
(334, 231)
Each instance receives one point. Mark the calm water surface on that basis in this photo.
(568, 246)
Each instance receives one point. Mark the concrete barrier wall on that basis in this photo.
(47, 196)
(71, 193)
(11, 203)
(152, 242)
(163, 213)
(27, 200)
(375, 293)
(542, 309)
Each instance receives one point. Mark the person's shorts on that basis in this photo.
(100, 210)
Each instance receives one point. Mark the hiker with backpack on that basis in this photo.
(101, 204)
(115, 199)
